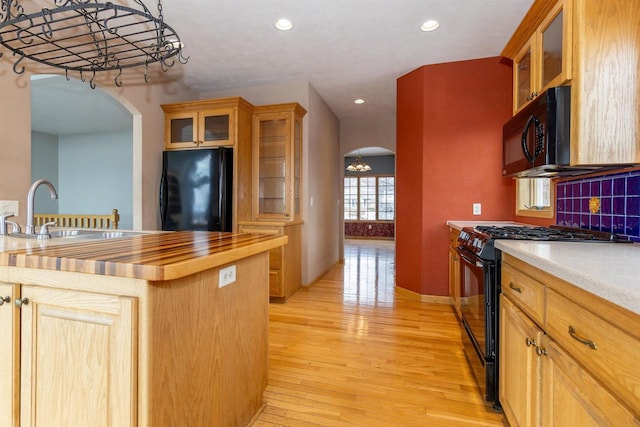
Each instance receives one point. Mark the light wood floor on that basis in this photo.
(350, 351)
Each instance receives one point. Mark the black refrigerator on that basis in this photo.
(196, 189)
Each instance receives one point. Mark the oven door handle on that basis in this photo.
(469, 260)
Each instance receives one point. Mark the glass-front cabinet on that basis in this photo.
(277, 159)
(544, 60)
(207, 123)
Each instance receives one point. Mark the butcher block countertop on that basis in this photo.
(153, 256)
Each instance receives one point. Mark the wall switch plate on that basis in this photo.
(477, 209)
(9, 206)
(227, 275)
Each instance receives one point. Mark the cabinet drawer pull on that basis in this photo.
(575, 336)
(4, 299)
(515, 288)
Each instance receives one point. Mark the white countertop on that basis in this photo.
(608, 270)
(459, 225)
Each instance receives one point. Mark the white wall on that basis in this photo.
(320, 142)
(324, 187)
(360, 132)
(44, 165)
(95, 174)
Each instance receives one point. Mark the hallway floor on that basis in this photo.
(350, 351)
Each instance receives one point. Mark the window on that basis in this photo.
(535, 197)
(369, 198)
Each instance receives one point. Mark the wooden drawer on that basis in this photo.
(603, 349)
(524, 291)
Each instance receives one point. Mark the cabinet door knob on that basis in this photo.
(20, 302)
(541, 351)
(529, 342)
(5, 299)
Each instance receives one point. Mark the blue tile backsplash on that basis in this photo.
(607, 203)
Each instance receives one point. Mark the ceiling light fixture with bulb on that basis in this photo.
(430, 25)
(283, 24)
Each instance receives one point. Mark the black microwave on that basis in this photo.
(536, 141)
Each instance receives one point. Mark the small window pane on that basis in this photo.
(368, 198)
(350, 198)
(386, 198)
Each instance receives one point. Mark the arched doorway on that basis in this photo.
(369, 195)
(83, 141)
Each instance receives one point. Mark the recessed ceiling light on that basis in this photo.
(430, 25)
(359, 101)
(283, 24)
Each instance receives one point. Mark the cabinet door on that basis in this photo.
(9, 355)
(454, 280)
(180, 130)
(216, 127)
(520, 366)
(273, 165)
(523, 75)
(555, 46)
(78, 359)
(571, 397)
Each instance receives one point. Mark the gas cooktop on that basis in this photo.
(547, 233)
(480, 240)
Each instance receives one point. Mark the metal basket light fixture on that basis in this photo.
(86, 36)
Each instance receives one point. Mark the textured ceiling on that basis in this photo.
(346, 49)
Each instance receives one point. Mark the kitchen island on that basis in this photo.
(134, 331)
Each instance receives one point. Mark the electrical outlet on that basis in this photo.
(477, 209)
(227, 275)
(8, 206)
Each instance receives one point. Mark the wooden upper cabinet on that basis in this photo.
(594, 46)
(543, 60)
(208, 123)
(277, 162)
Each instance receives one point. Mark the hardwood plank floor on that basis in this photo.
(350, 351)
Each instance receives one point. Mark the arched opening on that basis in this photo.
(85, 142)
(368, 209)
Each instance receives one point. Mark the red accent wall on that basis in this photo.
(448, 156)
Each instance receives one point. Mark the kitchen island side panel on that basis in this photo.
(208, 347)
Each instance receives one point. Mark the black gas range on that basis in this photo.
(479, 240)
(480, 289)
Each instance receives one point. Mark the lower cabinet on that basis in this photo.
(285, 264)
(90, 377)
(9, 355)
(520, 369)
(72, 358)
(573, 365)
(454, 271)
(572, 397)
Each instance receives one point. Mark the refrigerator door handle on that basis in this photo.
(163, 199)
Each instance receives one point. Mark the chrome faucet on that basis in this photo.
(4, 221)
(30, 229)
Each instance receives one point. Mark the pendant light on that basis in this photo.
(358, 165)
